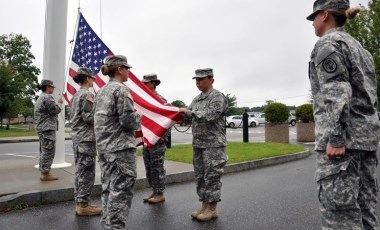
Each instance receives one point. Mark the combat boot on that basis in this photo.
(148, 197)
(84, 209)
(157, 198)
(48, 177)
(197, 212)
(209, 213)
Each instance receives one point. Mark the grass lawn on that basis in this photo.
(236, 151)
(16, 131)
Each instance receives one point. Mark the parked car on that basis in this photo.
(292, 119)
(234, 121)
(237, 121)
(261, 119)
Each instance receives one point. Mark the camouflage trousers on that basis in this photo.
(47, 150)
(84, 179)
(118, 175)
(348, 190)
(208, 169)
(154, 166)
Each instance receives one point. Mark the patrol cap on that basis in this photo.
(201, 73)
(85, 71)
(151, 78)
(327, 5)
(116, 60)
(47, 83)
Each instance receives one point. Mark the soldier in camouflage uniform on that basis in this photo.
(46, 112)
(209, 142)
(154, 156)
(115, 124)
(343, 83)
(84, 148)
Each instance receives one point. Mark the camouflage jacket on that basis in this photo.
(208, 119)
(82, 117)
(46, 113)
(344, 89)
(114, 118)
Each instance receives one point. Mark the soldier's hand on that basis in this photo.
(60, 100)
(90, 99)
(182, 110)
(335, 153)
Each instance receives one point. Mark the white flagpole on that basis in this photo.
(54, 66)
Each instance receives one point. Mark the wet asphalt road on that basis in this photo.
(277, 197)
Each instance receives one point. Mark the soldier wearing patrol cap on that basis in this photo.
(154, 156)
(343, 84)
(115, 122)
(84, 147)
(46, 112)
(207, 111)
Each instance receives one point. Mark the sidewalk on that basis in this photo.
(20, 183)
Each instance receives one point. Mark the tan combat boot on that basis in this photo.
(197, 212)
(48, 177)
(209, 213)
(157, 198)
(84, 209)
(148, 197)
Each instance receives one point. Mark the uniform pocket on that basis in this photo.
(339, 191)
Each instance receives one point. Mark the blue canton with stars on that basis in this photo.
(89, 49)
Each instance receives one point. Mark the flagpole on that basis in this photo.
(54, 66)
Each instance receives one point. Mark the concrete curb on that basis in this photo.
(34, 139)
(35, 198)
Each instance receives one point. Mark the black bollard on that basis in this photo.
(245, 126)
(169, 143)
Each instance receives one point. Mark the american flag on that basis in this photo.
(90, 51)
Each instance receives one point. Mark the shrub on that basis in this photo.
(304, 113)
(276, 113)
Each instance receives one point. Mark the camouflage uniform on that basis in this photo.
(343, 84)
(46, 119)
(115, 124)
(154, 158)
(209, 143)
(82, 124)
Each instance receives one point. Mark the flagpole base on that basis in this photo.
(56, 166)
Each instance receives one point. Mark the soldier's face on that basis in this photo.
(319, 23)
(204, 83)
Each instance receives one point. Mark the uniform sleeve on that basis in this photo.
(217, 107)
(51, 107)
(128, 119)
(333, 78)
(87, 111)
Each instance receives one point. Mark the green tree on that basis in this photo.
(231, 100)
(366, 29)
(18, 75)
(179, 104)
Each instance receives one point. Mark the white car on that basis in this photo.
(237, 121)
(261, 119)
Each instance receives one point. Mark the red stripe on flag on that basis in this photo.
(141, 85)
(70, 89)
(99, 82)
(173, 115)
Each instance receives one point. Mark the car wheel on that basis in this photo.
(253, 124)
(231, 125)
(293, 122)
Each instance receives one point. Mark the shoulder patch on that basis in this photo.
(329, 65)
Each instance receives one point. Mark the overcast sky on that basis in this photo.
(259, 50)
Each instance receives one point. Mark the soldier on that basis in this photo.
(209, 142)
(115, 124)
(343, 83)
(154, 156)
(84, 147)
(46, 112)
